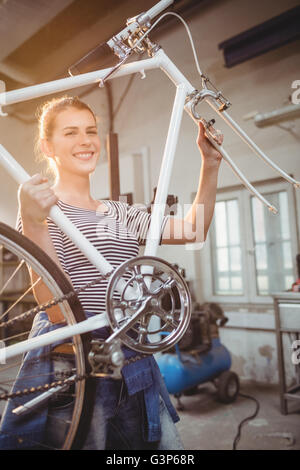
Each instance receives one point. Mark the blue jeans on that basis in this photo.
(117, 422)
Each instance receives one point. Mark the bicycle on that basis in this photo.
(151, 279)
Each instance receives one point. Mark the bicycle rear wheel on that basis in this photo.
(16, 298)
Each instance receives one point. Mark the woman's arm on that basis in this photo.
(35, 200)
(195, 225)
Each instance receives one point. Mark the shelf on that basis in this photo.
(287, 320)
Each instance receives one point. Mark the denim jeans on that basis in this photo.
(117, 422)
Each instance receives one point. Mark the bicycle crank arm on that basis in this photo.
(130, 322)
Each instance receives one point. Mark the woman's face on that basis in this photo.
(75, 143)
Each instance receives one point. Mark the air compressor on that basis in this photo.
(200, 357)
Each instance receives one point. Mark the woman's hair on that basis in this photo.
(46, 115)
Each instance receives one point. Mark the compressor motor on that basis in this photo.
(200, 357)
(203, 328)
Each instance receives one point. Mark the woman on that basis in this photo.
(134, 412)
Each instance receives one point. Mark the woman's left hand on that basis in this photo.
(208, 152)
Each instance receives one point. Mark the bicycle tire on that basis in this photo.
(22, 247)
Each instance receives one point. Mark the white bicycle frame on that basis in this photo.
(184, 90)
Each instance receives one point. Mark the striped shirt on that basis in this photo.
(116, 233)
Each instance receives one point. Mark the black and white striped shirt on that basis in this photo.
(116, 233)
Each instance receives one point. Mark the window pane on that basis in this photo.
(223, 264)
(263, 284)
(235, 259)
(272, 243)
(221, 228)
(224, 284)
(237, 285)
(259, 220)
(226, 249)
(287, 255)
(284, 216)
(261, 256)
(233, 219)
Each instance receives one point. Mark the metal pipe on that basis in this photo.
(68, 83)
(154, 232)
(266, 119)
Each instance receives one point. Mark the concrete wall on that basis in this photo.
(254, 352)
(261, 84)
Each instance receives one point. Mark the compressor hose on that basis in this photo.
(238, 435)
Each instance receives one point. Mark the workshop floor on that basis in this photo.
(206, 424)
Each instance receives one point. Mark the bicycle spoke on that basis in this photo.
(122, 304)
(168, 284)
(140, 279)
(142, 336)
(12, 276)
(167, 318)
(20, 298)
(9, 338)
(31, 441)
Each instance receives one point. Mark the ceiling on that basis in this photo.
(40, 39)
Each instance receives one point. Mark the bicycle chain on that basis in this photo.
(56, 301)
(61, 382)
(43, 388)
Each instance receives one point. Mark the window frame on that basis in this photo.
(243, 196)
(229, 195)
(266, 188)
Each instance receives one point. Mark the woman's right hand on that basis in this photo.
(36, 199)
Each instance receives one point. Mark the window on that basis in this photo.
(252, 252)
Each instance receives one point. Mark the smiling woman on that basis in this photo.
(134, 412)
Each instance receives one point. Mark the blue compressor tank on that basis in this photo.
(183, 371)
